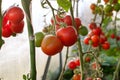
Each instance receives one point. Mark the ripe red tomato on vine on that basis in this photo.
(15, 14)
(67, 35)
(76, 77)
(51, 45)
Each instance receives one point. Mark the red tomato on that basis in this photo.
(117, 38)
(86, 40)
(112, 36)
(18, 27)
(106, 45)
(68, 35)
(77, 22)
(93, 6)
(72, 65)
(15, 14)
(51, 45)
(95, 39)
(106, 1)
(68, 20)
(6, 31)
(87, 59)
(103, 38)
(76, 77)
(95, 44)
(58, 19)
(77, 62)
(92, 25)
(97, 31)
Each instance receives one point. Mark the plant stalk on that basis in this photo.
(26, 6)
(1, 40)
(79, 45)
(62, 72)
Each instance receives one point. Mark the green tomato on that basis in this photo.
(83, 31)
(108, 8)
(38, 38)
(117, 7)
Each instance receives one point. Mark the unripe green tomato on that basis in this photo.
(83, 31)
(108, 8)
(38, 38)
(117, 7)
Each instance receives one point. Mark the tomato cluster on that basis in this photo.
(12, 22)
(65, 34)
(96, 37)
(72, 64)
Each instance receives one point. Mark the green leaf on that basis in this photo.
(65, 4)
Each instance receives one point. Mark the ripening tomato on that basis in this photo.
(112, 36)
(95, 39)
(6, 30)
(77, 62)
(97, 31)
(106, 45)
(77, 22)
(17, 27)
(15, 14)
(86, 40)
(87, 59)
(68, 20)
(103, 38)
(76, 77)
(93, 6)
(92, 25)
(72, 65)
(51, 45)
(67, 35)
(106, 1)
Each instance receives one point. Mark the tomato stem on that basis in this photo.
(1, 40)
(26, 6)
(61, 75)
(116, 70)
(46, 68)
(78, 44)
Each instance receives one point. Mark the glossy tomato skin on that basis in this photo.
(67, 35)
(86, 40)
(51, 45)
(76, 77)
(77, 62)
(95, 39)
(72, 65)
(15, 14)
(106, 45)
(68, 20)
(77, 22)
(92, 25)
(18, 27)
(6, 31)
